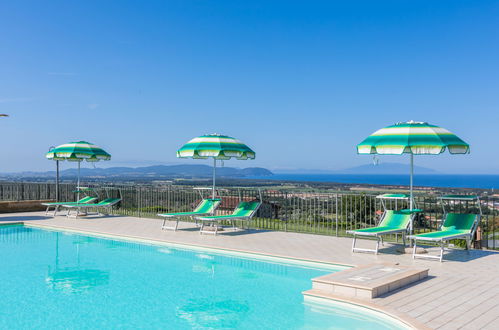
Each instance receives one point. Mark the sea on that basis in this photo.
(480, 181)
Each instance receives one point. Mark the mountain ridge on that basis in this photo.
(159, 171)
(382, 168)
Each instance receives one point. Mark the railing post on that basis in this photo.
(139, 197)
(336, 212)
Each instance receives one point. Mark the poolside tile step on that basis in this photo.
(368, 281)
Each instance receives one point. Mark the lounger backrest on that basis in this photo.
(246, 209)
(395, 219)
(207, 206)
(459, 221)
(87, 199)
(108, 201)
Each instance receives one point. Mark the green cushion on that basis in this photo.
(455, 224)
(206, 206)
(395, 219)
(459, 221)
(108, 201)
(443, 234)
(104, 202)
(84, 200)
(244, 209)
(378, 230)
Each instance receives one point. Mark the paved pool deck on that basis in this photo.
(460, 293)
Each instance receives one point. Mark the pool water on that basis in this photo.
(51, 279)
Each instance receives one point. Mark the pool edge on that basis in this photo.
(258, 255)
(401, 317)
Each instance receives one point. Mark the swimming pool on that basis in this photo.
(52, 279)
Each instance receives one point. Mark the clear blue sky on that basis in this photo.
(301, 82)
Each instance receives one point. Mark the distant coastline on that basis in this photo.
(478, 181)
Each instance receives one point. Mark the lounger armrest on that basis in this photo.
(376, 233)
(438, 239)
(222, 217)
(175, 215)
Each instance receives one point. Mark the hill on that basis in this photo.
(149, 172)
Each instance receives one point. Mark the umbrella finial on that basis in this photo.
(416, 122)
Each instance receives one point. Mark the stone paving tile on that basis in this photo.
(477, 316)
(421, 293)
(467, 311)
(492, 325)
(437, 300)
(460, 292)
(446, 310)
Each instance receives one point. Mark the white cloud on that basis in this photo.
(67, 74)
(14, 99)
(93, 106)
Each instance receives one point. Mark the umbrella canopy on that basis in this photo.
(417, 138)
(215, 146)
(78, 152)
(414, 138)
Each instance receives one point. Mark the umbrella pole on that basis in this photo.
(57, 181)
(214, 173)
(411, 225)
(411, 183)
(78, 183)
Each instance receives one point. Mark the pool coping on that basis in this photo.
(403, 318)
(258, 255)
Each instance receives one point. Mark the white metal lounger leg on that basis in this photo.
(426, 256)
(213, 232)
(174, 228)
(441, 250)
(378, 238)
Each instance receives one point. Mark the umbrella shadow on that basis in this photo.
(239, 232)
(460, 255)
(410, 285)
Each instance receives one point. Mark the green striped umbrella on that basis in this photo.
(78, 152)
(215, 146)
(414, 138)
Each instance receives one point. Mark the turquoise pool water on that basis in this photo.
(53, 280)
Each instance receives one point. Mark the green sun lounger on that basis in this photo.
(392, 222)
(243, 211)
(103, 205)
(57, 205)
(205, 207)
(454, 226)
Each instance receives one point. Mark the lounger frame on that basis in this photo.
(232, 219)
(192, 215)
(57, 206)
(442, 240)
(379, 239)
(96, 206)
